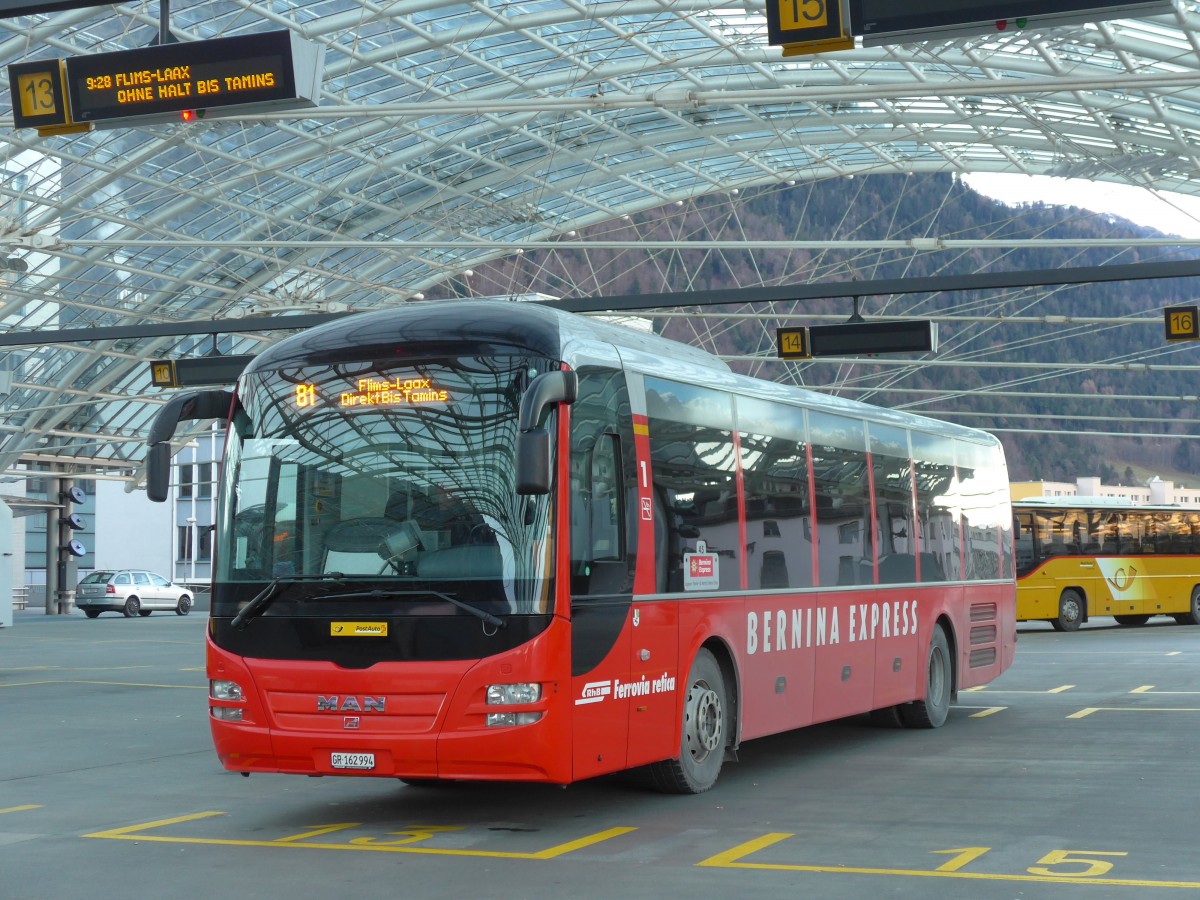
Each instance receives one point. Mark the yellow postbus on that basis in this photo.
(1082, 557)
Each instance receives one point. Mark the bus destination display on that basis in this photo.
(373, 392)
(270, 70)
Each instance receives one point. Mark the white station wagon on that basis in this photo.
(133, 592)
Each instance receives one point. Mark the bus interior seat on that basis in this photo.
(774, 573)
(474, 561)
(898, 568)
(368, 545)
(931, 568)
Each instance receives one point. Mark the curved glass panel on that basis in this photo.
(385, 487)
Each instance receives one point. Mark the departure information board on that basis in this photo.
(270, 70)
(889, 22)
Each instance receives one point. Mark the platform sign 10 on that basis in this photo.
(1182, 323)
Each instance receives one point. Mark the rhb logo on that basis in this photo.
(594, 692)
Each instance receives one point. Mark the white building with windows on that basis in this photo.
(122, 529)
(1155, 492)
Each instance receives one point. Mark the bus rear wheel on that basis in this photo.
(1070, 611)
(1132, 620)
(704, 732)
(1192, 616)
(933, 710)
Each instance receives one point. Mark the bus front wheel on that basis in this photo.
(704, 732)
(1192, 616)
(933, 710)
(1070, 612)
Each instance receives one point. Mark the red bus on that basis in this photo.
(494, 541)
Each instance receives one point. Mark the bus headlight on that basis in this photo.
(511, 694)
(226, 713)
(225, 690)
(507, 720)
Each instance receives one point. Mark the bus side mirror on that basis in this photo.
(201, 405)
(533, 462)
(158, 472)
(534, 475)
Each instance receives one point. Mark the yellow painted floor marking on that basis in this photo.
(138, 833)
(1174, 653)
(1149, 689)
(1094, 709)
(984, 689)
(732, 859)
(988, 711)
(21, 808)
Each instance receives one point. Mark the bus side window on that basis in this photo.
(601, 473)
(604, 541)
(1023, 530)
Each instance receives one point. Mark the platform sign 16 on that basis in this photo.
(1182, 323)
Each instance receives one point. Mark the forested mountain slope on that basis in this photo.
(1054, 414)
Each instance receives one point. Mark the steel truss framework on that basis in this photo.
(450, 134)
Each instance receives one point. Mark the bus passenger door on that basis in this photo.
(599, 666)
(654, 719)
(600, 601)
(655, 681)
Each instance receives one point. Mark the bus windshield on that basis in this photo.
(384, 487)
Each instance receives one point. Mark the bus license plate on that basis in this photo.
(353, 760)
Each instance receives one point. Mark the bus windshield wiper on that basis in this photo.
(264, 598)
(379, 594)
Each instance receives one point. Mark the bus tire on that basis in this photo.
(1192, 617)
(704, 732)
(1070, 611)
(939, 676)
(1139, 619)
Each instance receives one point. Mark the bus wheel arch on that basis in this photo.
(1072, 610)
(708, 724)
(940, 679)
(1192, 616)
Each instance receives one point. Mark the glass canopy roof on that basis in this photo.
(449, 134)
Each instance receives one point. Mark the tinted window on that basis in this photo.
(842, 502)
(779, 551)
(937, 507)
(894, 524)
(602, 486)
(691, 450)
